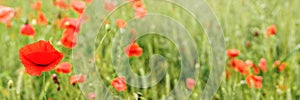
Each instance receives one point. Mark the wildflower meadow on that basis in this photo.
(149, 49)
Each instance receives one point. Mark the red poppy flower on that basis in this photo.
(61, 4)
(88, 1)
(121, 23)
(36, 5)
(281, 67)
(119, 84)
(276, 63)
(64, 67)
(140, 12)
(138, 4)
(249, 63)
(232, 53)
(69, 39)
(39, 57)
(6, 14)
(27, 29)
(70, 23)
(263, 65)
(42, 19)
(91, 95)
(77, 79)
(190, 83)
(78, 6)
(133, 50)
(109, 6)
(240, 66)
(255, 81)
(271, 30)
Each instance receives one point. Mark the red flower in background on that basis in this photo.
(88, 1)
(190, 83)
(271, 30)
(42, 18)
(240, 66)
(77, 79)
(232, 53)
(280, 66)
(255, 81)
(91, 95)
(6, 14)
(69, 39)
(121, 23)
(109, 6)
(133, 50)
(140, 12)
(138, 3)
(78, 6)
(64, 67)
(36, 5)
(27, 29)
(61, 4)
(39, 57)
(69, 23)
(119, 84)
(263, 65)
(249, 63)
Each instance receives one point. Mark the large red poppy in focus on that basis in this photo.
(39, 57)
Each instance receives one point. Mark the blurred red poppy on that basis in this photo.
(61, 4)
(138, 4)
(190, 83)
(280, 66)
(240, 66)
(271, 30)
(91, 95)
(69, 23)
(140, 12)
(64, 68)
(36, 5)
(39, 57)
(6, 14)
(27, 29)
(263, 64)
(232, 53)
(119, 84)
(78, 6)
(133, 49)
(77, 79)
(121, 23)
(109, 6)
(255, 81)
(276, 63)
(249, 63)
(42, 18)
(88, 1)
(69, 39)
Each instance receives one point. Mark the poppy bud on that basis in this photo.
(27, 29)
(55, 80)
(10, 84)
(256, 33)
